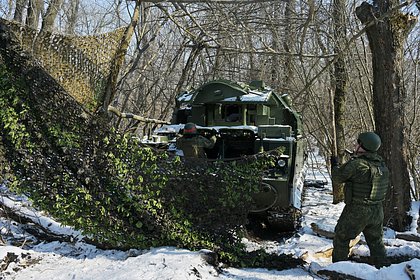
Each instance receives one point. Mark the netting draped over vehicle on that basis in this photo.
(80, 64)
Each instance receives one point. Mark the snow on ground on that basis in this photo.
(78, 260)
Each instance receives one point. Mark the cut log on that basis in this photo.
(332, 274)
(323, 254)
(326, 252)
(322, 232)
(321, 272)
(409, 236)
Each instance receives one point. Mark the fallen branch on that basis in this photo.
(31, 226)
(408, 236)
(329, 234)
(332, 274)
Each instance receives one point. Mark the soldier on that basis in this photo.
(193, 144)
(366, 179)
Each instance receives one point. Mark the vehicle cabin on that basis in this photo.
(249, 118)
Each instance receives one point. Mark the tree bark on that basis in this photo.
(288, 43)
(386, 39)
(332, 274)
(50, 16)
(34, 12)
(118, 61)
(340, 92)
(72, 15)
(20, 6)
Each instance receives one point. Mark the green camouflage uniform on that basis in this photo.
(366, 181)
(193, 147)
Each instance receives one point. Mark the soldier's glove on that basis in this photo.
(334, 161)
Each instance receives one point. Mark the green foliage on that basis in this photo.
(63, 138)
(119, 193)
(261, 258)
(11, 117)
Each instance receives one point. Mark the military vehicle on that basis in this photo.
(249, 118)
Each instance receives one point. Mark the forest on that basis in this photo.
(348, 66)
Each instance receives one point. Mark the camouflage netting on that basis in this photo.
(72, 165)
(80, 64)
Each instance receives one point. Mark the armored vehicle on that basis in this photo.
(249, 118)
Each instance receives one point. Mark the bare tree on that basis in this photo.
(110, 89)
(50, 16)
(412, 83)
(20, 7)
(72, 11)
(340, 92)
(289, 43)
(386, 39)
(34, 13)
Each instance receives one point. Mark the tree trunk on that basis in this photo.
(386, 39)
(253, 72)
(341, 81)
(49, 18)
(34, 12)
(289, 42)
(72, 15)
(118, 61)
(20, 6)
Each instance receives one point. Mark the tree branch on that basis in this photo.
(368, 24)
(136, 117)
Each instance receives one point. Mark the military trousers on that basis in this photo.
(357, 218)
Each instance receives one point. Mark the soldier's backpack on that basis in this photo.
(380, 181)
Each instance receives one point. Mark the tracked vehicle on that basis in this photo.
(249, 118)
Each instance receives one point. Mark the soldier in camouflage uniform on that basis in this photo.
(366, 180)
(193, 144)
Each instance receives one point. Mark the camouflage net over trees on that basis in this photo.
(80, 64)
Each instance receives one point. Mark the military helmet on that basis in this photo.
(190, 129)
(369, 141)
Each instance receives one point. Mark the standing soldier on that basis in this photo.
(192, 144)
(366, 180)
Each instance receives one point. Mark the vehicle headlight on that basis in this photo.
(281, 163)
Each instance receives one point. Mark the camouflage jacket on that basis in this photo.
(194, 147)
(366, 178)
